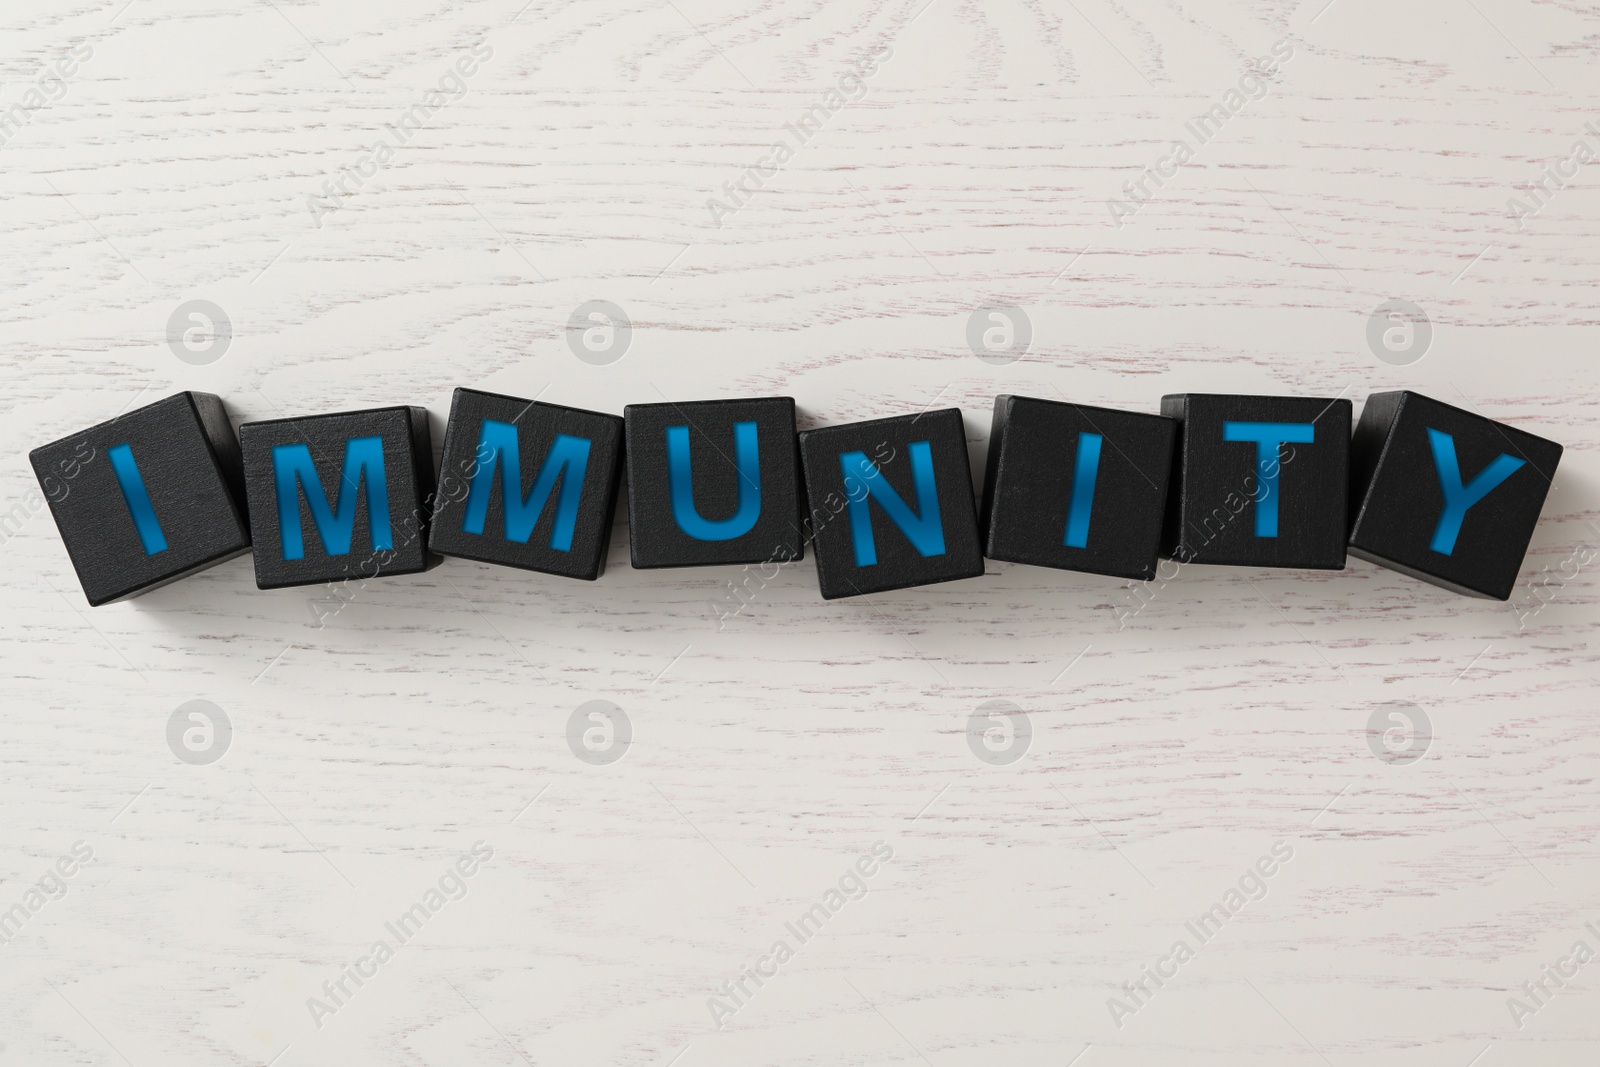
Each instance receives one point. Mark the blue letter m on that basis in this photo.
(567, 460)
(336, 525)
(863, 481)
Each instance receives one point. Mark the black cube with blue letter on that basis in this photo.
(338, 497)
(713, 481)
(1075, 487)
(527, 485)
(1444, 495)
(1260, 481)
(891, 503)
(152, 496)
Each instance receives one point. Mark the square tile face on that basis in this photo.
(1077, 488)
(342, 496)
(1444, 495)
(147, 498)
(891, 503)
(528, 485)
(713, 481)
(1260, 481)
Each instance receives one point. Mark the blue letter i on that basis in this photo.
(1083, 478)
(137, 499)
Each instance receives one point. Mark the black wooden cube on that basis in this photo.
(338, 497)
(152, 496)
(1445, 495)
(1075, 487)
(713, 481)
(1260, 481)
(891, 503)
(527, 485)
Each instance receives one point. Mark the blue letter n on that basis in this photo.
(363, 457)
(567, 460)
(863, 482)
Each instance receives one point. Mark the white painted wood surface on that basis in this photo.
(180, 162)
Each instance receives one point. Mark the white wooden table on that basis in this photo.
(186, 157)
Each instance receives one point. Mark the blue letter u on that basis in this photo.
(863, 481)
(363, 456)
(680, 485)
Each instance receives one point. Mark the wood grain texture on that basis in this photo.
(186, 159)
